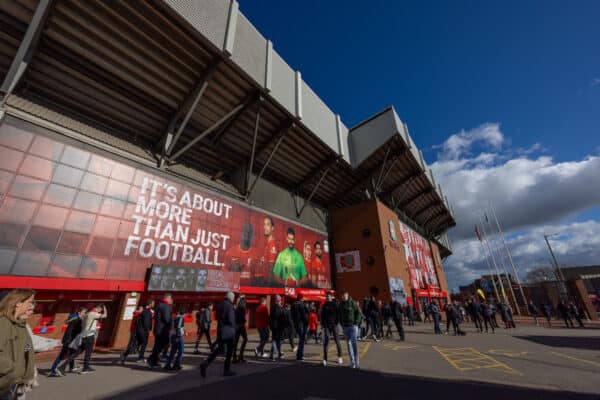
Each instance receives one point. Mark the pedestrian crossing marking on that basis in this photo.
(469, 359)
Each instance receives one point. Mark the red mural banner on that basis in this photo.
(68, 212)
(418, 257)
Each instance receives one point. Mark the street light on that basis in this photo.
(559, 274)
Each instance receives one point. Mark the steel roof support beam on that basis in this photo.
(433, 217)
(426, 208)
(381, 171)
(266, 164)
(312, 193)
(315, 172)
(401, 184)
(219, 135)
(188, 106)
(253, 152)
(26, 49)
(386, 174)
(210, 130)
(415, 197)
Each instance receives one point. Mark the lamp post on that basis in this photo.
(559, 274)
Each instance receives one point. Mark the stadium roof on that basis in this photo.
(194, 86)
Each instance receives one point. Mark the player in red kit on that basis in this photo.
(312, 274)
(261, 274)
(317, 267)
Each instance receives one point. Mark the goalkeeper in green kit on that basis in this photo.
(289, 269)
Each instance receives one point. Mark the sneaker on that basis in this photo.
(55, 373)
(88, 370)
(141, 361)
(295, 349)
(203, 370)
(228, 373)
(76, 370)
(61, 371)
(256, 353)
(340, 360)
(324, 362)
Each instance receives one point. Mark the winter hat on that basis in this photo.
(277, 297)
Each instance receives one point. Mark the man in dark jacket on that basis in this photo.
(329, 322)
(163, 320)
(132, 346)
(240, 328)
(143, 328)
(277, 321)
(203, 322)
(350, 319)
(397, 314)
(476, 313)
(225, 336)
(564, 312)
(300, 316)
(73, 329)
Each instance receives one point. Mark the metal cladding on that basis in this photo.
(175, 82)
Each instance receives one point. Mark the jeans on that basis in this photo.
(398, 323)
(436, 323)
(275, 346)
(301, 330)
(203, 332)
(226, 345)
(333, 331)
(177, 347)
(263, 333)
(63, 352)
(488, 320)
(350, 334)
(240, 331)
(87, 345)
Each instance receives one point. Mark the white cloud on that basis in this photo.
(595, 82)
(530, 193)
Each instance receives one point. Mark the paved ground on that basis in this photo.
(530, 363)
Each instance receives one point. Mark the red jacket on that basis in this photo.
(313, 321)
(261, 317)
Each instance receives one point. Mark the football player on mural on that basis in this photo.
(267, 261)
(289, 269)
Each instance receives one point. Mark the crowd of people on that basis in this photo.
(296, 322)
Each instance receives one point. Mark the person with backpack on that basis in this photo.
(177, 342)
(350, 319)
(397, 314)
(300, 314)
(225, 336)
(203, 322)
(240, 328)
(73, 323)
(329, 322)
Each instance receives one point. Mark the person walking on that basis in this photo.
(475, 311)
(563, 310)
(329, 322)
(451, 318)
(241, 313)
(576, 314)
(261, 320)
(350, 319)
(287, 329)
(533, 311)
(177, 343)
(163, 320)
(386, 313)
(73, 329)
(488, 316)
(277, 322)
(397, 314)
(17, 361)
(144, 326)
(547, 314)
(434, 311)
(313, 325)
(300, 316)
(507, 315)
(86, 339)
(132, 346)
(203, 322)
(493, 305)
(373, 317)
(410, 314)
(225, 336)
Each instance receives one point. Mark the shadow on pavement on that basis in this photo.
(585, 343)
(309, 381)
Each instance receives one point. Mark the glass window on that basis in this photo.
(94, 183)
(32, 263)
(46, 148)
(112, 207)
(100, 246)
(51, 217)
(14, 137)
(5, 178)
(106, 226)
(73, 243)
(37, 167)
(117, 189)
(88, 201)
(17, 210)
(100, 165)
(27, 188)
(123, 173)
(7, 256)
(80, 222)
(66, 175)
(11, 234)
(93, 267)
(75, 157)
(59, 195)
(119, 250)
(10, 159)
(65, 266)
(119, 269)
(40, 238)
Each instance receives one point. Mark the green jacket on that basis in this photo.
(349, 313)
(16, 354)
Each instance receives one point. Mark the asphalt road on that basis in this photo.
(529, 363)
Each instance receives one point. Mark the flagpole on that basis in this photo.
(510, 260)
(487, 262)
(493, 259)
(512, 292)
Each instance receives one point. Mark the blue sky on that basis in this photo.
(530, 70)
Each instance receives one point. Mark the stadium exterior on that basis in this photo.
(166, 146)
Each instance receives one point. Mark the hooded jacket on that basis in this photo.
(16, 354)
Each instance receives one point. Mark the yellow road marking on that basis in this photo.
(397, 347)
(485, 361)
(576, 359)
(508, 353)
(364, 350)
